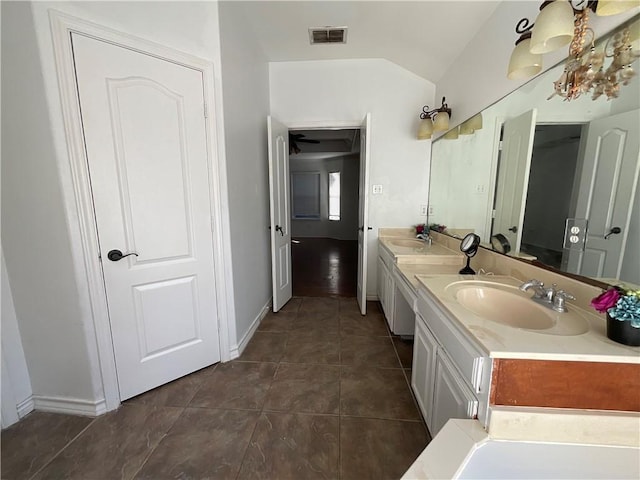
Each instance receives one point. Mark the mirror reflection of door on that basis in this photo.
(513, 177)
(608, 198)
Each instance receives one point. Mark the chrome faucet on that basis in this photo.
(426, 237)
(550, 297)
(536, 285)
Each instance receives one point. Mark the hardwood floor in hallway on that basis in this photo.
(324, 267)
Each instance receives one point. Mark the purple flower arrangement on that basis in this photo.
(620, 304)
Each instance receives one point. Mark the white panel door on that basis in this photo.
(608, 187)
(280, 212)
(144, 127)
(513, 177)
(363, 212)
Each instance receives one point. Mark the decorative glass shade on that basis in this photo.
(425, 129)
(475, 122)
(441, 122)
(613, 7)
(523, 63)
(465, 128)
(553, 28)
(451, 134)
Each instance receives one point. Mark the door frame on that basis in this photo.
(80, 213)
(331, 125)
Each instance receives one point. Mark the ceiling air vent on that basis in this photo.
(319, 35)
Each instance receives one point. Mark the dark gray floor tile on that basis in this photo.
(29, 444)
(349, 305)
(174, 394)
(292, 306)
(115, 445)
(372, 325)
(316, 322)
(305, 388)
(369, 351)
(277, 322)
(265, 347)
(312, 348)
(379, 449)
(376, 393)
(236, 385)
(319, 304)
(292, 446)
(404, 348)
(202, 444)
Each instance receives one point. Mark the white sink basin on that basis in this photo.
(507, 305)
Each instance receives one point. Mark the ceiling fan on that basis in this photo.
(295, 138)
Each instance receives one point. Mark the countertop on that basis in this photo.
(404, 252)
(502, 341)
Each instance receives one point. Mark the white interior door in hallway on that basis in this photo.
(280, 209)
(144, 127)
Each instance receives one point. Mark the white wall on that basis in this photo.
(246, 106)
(334, 91)
(347, 227)
(40, 236)
(16, 384)
(478, 77)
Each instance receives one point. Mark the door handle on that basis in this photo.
(361, 229)
(513, 229)
(116, 255)
(613, 231)
(279, 229)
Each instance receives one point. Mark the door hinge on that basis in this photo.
(206, 115)
(500, 145)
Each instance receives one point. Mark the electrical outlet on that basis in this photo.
(430, 209)
(480, 188)
(377, 189)
(423, 210)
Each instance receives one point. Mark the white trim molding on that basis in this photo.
(88, 268)
(70, 406)
(237, 350)
(25, 407)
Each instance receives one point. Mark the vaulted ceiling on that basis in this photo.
(424, 37)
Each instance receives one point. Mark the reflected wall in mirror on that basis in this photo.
(558, 179)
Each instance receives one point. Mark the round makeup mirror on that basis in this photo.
(469, 246)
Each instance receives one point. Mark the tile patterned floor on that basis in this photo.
(320, 392)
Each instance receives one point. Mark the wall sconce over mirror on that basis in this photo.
(566, 22)
(436, 120)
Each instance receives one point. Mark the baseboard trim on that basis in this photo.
(25, 407)
(236, 350)
(71, 406)
(372, 298)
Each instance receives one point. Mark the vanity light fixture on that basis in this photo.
(436, 120)
(562, 22)
(451, 134)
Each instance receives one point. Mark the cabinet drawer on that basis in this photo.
(467, 357)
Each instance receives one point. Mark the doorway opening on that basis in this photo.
(550, 194)
(324, 167)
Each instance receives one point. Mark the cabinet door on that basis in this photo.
(382, 282)
(423, 367)
(452, 398)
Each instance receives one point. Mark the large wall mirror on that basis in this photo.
(556, 180)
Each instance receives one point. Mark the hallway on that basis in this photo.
(322, 267)
(319, 392)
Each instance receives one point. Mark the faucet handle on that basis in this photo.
(559, 300)
(551, 292)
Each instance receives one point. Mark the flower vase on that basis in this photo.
(622, 332)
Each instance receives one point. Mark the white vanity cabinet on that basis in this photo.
(450, 374)
(386, 289)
